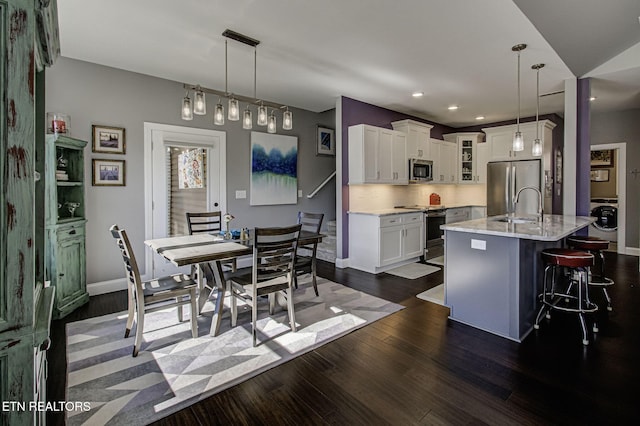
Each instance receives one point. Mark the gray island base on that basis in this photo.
(493, 270)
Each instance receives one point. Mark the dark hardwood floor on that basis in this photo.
(418, 367)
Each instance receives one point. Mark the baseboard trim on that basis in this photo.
(104, 287)
(342, 262)
(632, 251)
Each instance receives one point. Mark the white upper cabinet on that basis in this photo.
(444, 155)
(467, 163)
(418, 135)
(377, 155)
(500, 140)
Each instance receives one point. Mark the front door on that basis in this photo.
(184, 171)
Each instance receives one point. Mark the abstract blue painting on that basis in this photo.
(274, 169)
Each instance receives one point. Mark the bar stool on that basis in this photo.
(554, 297)
(595, 246)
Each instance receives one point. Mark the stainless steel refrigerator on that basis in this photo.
(504, 179)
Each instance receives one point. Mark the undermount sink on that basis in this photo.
(517, 220)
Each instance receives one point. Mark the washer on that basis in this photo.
(606, 212)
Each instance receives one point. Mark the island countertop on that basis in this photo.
(551, 228)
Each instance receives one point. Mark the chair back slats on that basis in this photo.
(204, 222)
(274, 252)
(311, 222)
(130, 265)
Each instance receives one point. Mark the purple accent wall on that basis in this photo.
(357, 112)
(583, 148)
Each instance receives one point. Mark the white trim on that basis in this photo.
(621, 167)
(631, 251)
(342, 263)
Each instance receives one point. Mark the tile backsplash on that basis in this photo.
(373, 197)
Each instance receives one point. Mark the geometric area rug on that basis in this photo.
(174, 370)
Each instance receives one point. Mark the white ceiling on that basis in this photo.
(377, 51)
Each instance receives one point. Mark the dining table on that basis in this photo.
(213, 249)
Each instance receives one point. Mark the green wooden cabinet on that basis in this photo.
(25, 304)
(65, 222)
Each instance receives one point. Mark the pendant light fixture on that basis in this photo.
(536, 149)
(518, 142)
(218, 114)
(271, 123)
(187, 113)
(287, 119)
(264, 118)
(200, 103)
(262, 115)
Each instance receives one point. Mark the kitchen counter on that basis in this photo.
(493, 270)
(551, 228)
(398, 210)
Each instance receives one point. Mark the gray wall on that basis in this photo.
(618, 127)
(94, 94)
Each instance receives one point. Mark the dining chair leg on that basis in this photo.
(292, 315)
(131, 313)
(254, 319)
(272, 303)
(295, 279)
(313, 275)
(180, 312)
(234, 308)
(194, 314)
(139, 328)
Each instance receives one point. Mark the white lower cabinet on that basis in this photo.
(378, 243)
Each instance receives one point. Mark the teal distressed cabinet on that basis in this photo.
(28, 43)
(65, 222)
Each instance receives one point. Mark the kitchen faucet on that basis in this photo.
(539, 214)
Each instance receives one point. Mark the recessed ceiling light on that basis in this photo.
(417, 94)
(480, 117)
(592, 98)
(453, 107)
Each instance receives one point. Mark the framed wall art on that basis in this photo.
(108, 172)
(601, 175)
(602, 158)
(325, 144)
(274, 169)
(108, 140)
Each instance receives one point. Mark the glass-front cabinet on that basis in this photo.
(468, 164)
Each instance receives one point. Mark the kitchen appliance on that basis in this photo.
(605, 210)
(505, 179)
(420, 171)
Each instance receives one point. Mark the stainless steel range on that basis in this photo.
(434, 216)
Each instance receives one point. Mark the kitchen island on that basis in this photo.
(493, 270)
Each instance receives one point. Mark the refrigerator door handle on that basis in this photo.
(506, 189)
(514, 188)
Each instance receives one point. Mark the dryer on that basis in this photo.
(605, 210)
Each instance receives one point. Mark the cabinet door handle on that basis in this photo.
(61, 274)
(72, 232)
(378, 174)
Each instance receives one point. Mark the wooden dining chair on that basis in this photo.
(274, 251)
(306, 256)
(209, 222)
(143, 295)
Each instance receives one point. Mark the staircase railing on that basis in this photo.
(326, 181)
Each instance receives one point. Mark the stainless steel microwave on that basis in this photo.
(420, 171)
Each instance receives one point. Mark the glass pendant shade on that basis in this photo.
(271, 125)
(518, 142)
(187, 113)
(247, 119)
(287, 120)
(536, 150)
(200, 103)
(262, 115)
(218, 115)
(234, 110)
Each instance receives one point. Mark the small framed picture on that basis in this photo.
(601, 175)
(108, 172)
(602, 158)
(108, 140)
(326, 144)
